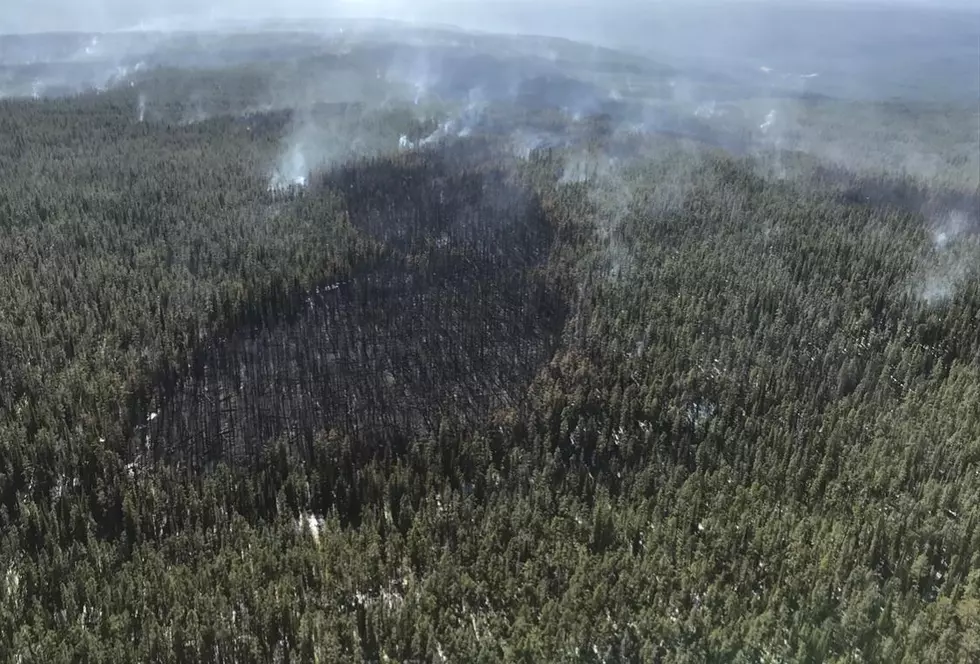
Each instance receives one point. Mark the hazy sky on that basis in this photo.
(43, 15)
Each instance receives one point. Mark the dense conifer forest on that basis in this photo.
(622, 397)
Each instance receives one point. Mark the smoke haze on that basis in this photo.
(880, 49)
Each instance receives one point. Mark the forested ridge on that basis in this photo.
(453, 404)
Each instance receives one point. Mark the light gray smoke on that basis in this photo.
(293, 169)
(955, 257)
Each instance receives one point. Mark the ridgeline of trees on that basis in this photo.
(687, 414)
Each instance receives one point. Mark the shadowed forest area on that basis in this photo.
(504, 382)
(446, 318)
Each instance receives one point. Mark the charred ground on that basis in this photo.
(449, 317)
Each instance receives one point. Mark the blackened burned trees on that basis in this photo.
(451, 317)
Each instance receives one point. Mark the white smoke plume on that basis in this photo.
(461, 124)
(949, 228)
(768, 123)
(322, 136)
(525, 141)
(293, 168)
(306, 147)
(942, 281)
(773, 141)
(612, 196)
(955, 257)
